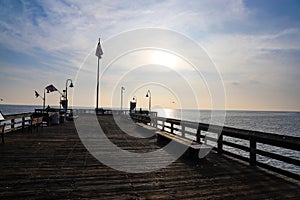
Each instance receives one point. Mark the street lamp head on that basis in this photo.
(134, 98)
(71, 85)
(148, 93)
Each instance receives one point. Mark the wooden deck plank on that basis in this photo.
(53, 163)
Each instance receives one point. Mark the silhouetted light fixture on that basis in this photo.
(135, 99)
(66, 92)
(148, 95)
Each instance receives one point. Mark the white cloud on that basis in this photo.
(260, 67)
(236, 51)
(69, 25)
(68, 30)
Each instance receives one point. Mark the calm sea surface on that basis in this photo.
(16, 109)
(283, 123)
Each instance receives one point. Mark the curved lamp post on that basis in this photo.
(44, 99)
(135, 99)
(148, 95)
(66, 91)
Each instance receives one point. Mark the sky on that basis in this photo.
(252, 46)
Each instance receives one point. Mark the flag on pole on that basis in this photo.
(99, 51)
(50, 88)
(36, 94)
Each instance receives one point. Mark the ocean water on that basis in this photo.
(278, 122)
(283, 123)
(16, 109)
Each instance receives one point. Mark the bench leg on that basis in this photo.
(194, 154)
(41, 126)
(162, 140)
(31, 127)
(2, 133)
(2, 138)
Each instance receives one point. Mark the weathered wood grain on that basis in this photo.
(54, 164)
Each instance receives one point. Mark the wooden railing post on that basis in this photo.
(198, 135)
(183, 130)
(23, 123)
(2, 129)
(172, 127)
(252, 151)
(163, 125)
(220, 143)
(12, 126)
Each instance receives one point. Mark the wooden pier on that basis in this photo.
(53, 164)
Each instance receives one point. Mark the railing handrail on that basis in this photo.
(15, 119)
(240, 133)
(16, 116)
(254, 137)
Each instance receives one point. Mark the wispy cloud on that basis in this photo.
(61, 36)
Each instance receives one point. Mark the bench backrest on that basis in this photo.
(37, 120)
(2, 128)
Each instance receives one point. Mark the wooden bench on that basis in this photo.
(150, 128)
(194, 147)
(36, 123)
(148, 131)
(185, 141)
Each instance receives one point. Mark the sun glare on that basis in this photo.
(164, 58)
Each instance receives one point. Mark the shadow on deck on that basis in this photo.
(53, 163)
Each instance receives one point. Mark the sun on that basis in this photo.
(164, 58)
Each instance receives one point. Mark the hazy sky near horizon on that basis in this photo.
(255, 45)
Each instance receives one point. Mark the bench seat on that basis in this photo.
(150, 128)
(181, 140)
(36, 122)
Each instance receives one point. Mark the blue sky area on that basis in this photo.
(255, 45)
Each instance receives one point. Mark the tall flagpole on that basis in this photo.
(97, 96)
(44, 100)
(99, 53)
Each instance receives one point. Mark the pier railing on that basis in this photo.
(14, 122)
(255, 147)
(111, 112)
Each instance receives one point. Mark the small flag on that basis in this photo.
(50, 88)
(36, 94)
(99, 51)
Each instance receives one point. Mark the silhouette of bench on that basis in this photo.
(184, 141)
(35, 123)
